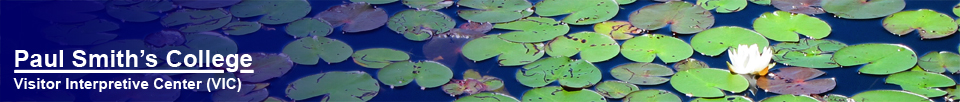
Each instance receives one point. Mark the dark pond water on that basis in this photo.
(20, 31)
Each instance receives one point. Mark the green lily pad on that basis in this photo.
(683, 17)
(197, 20)
(495, 11)
(375, 1)
(716, 40)
(487, 97)
(642, 73)
(309, 50)
(592, 46)
(790, 98)
(689, 63)
(652, 95)
(154, 5)
(731, 98)
(784, 26)
(932, 24)
(570, 73)
(428, 4)
(91, 31)
(532, 29)
(309, 27)
(273, 11)
(862, 9)
(938, 62)
(952, 93)
(581, 12)
(888, 96)
(335, 86)
(880, 59)
(923, 83)
(723, 6)
(615, 89)
(354, 17)
(268, 66)
(205, 4)
(799, 6)
(807, 53)
(760, 2)
(129, 14)
(428, 74)
(619, 30)
(511, 53)
(625, 2)
(558, 94)
(420, 25)
(378, 57)
(708, 82)
(835, 98)
(648, 46)
(241, 27)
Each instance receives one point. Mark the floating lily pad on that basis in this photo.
(67, 12)
(592, 46)
(689, 63)
(511, 53)
(428, 4)
(375, 1)
(378, 57)
(215, 42)
(428, 74)
(799, 6)
(648, 46)
(790, 98)
(716, 40)
(708, 82)
(495, 11)
(273, 11)
(129, 14)
(923, 83)
(683, 17)
(642, 73)
(888, 96)
(308, 50)
(625, 2)
(241, 27)
(615, 89)
(570, 73)
(468, 85)
(86, 33)
(581, 12)
(477, 27)
(938, 62)
(797, 81)
(197, 20)
(760, 2)
(420, 25)
(445, 48)
(487, 97)
(533, 29)
(355, 17)
(652, 95)
(557, 93)
(807, 53)
(835, 98)
(206, 4)
(931, 24)
(267, 66)
(784, 26)
(952, 93)
(723, 6)
(244, 94)
(149, 94)
(862, 9)
(335, 86)
(880, 59)
(731, 98)
(309, 27)
(619, 30)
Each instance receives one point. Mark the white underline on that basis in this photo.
(127, 71)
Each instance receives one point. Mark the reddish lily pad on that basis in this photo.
(683, 17)
(477, 27)
(797, 81)
(354, 17)
(799, 6)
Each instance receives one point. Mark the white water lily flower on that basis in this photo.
(748, 60)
